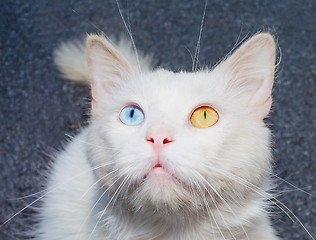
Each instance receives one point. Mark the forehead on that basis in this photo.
(165, 88)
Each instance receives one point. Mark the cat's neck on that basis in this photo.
(167, 225)
(164, 223)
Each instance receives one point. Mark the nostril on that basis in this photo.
(150, 140)
(166, 140)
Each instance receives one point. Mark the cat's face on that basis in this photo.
(176, 140)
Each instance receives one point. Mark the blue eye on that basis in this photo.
(132, 115)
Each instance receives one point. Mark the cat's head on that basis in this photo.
(181, 140)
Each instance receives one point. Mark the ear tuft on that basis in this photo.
(249, 73)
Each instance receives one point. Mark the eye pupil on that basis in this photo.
(131, 114)
(204, 114)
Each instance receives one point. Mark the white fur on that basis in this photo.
(218, 182)
(71, 59)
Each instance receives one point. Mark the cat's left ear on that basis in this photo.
(108, 70)
(249, 73)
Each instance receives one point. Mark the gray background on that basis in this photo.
(38, 107)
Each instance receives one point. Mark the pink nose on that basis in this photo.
(164, 141)
(158, 140)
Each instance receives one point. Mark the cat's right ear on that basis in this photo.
(108, 69)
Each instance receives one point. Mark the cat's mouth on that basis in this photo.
(158, 165)
(157, 170)
(160, 173)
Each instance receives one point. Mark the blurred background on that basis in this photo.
(38, 107)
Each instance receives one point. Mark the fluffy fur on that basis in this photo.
(213, 183)
(71, 59)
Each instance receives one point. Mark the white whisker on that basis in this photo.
(93, 145)
(130, 35)
(283, 180)
(27, 196)
(225, 202)
(197, 49)
(195, 196)
(27, 206)
(214, 202)
(209, 209)
(233, 176)
(50, 190)
(95, 26)
(115, 199)
(98, 200)
(103, 212)
(100, 179)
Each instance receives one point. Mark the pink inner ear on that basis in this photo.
(263, 109)
(250, 73)
(108, 69)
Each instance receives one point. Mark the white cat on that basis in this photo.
(167, 155)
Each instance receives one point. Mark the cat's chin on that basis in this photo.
(160, 181)
(161, 191)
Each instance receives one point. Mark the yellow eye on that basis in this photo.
(204, 117)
